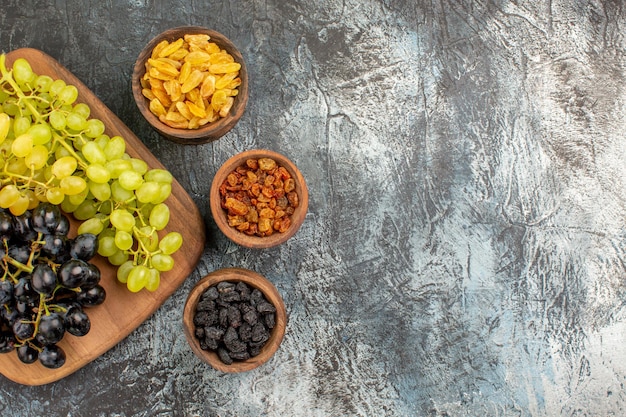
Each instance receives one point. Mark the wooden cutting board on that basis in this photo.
(122, 311)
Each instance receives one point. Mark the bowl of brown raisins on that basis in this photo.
(259, 198)
(191, 84)
(234, 319)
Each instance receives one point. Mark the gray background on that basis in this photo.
(464, 251)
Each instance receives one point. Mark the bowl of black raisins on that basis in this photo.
(234, 319)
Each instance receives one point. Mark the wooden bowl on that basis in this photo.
(221, 217)
(253, 280)
(211, 131)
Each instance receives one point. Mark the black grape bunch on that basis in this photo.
(47, 284)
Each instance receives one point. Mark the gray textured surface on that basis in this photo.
(464, 251)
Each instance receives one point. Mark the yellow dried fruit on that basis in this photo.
(171, 48)
(190, 78)
(156, 107)
(194, 79)
(225, 68)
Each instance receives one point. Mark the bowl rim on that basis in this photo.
(211, 131)
(255, 280)
(219, 215)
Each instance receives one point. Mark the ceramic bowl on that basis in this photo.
(211, 131)
(220, 215)
(253, 280)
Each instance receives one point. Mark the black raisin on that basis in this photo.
(265, 307)
(249, 314)
(259, 333)
(245, 332)
(211, 344)
(224, 356)
(214, 332)
(206, 305)
(225, 286)
(254, 350)
(201, 318)
(244, 291)
(210, 294)
(230, 297)
(232, 342)
(239, 356)
(270, 320)
(234, 316)
(223, 317)
(255, 296)
(199, 332)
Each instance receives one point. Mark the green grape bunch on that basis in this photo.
(52, 151)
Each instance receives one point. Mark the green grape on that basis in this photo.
(93, 153)
(9, 195)
(21, 125)
(130, 180)
(139, 166)
(101, 191)
(56, 87)
(165, 190)
(43, 83)
(170, 243)
(117, 166)
(5, 125)
(10, 107)
(123, 271)
(22, 145)
(154, 280)
(38, 157)
(64, 166)
(106, 246)
(115, 148)
(54, 195)
(118, 258)
(44, 103)
(32, 199)
(40, 133)
(159, 216)
(148, 191)
(102, 141)
(106, 208)
(68, 94)
(76, 122)
(22, 71)
(72, 185)
(78, 199)
(122, 220)
(123, 240)
(57, 120)
(86, 210)
(93, 226)
(82, 109)
(138, 278)
(98, 173)
(67, 205)
(119, 193)
(149, 238)
(20, 206)
(159, 175)
(17, 166)
(162, 262)
(95, 128)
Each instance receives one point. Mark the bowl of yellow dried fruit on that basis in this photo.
(259, 198)
(191, 84)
